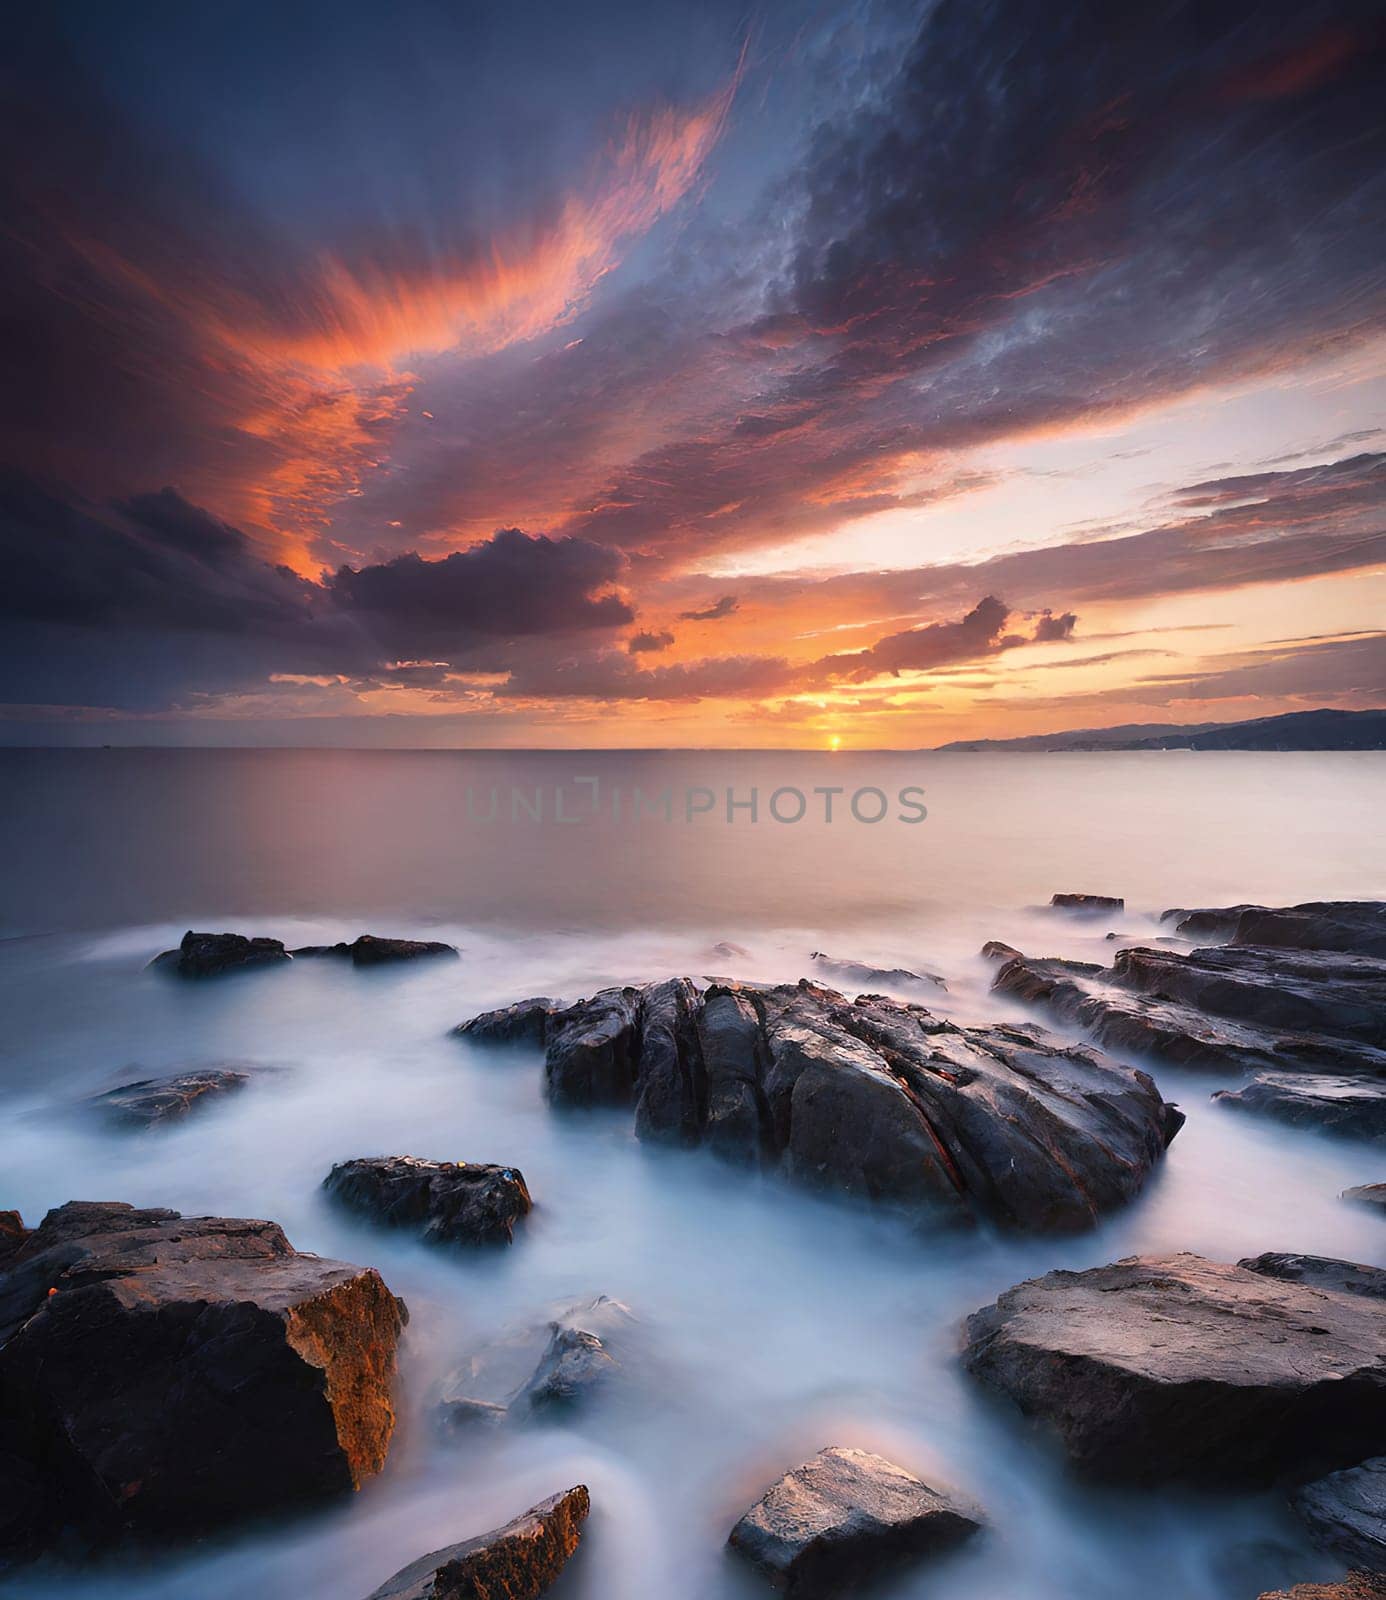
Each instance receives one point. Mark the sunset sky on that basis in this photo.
(655, 374)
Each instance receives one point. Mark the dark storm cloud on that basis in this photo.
(510, 586)
(139, 602)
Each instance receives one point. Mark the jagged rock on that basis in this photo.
(1207, 922)
(206, 955)
(1356, 1586)
(671, 1103)
(592, 1050)
(151, 1102)
(552, 1365)
(447, 1202)
(1174, 1367)
(1367, 1194)
(1320, 1272)
(1091, 904)
(517, 1562)
(370, 950)
(1346, 1513)
(525, 1022)
(575, 1366)
(859, 972)
(1355, 1107)
(1308, 1026)
(168, 1374)
(874, 1098)
(844, 1516)
(13, 1233)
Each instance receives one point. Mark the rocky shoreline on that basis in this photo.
(163, 1377)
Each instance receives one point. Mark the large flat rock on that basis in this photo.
(1328, 1102)
(517, 1562)
(872, 1098)
(1174, 1367)
(844, 1516)
(167, 1374)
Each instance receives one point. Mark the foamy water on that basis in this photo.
(771, 1323)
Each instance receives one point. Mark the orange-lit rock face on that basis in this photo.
(128, 1333)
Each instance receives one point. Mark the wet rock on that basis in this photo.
(995, 950)
(167, 1374)
(671, 1103)
(1343, 925)
(575, 1366)
(370, 950)
(859, 972)
(1174, 1367)
(555, 1364)
(843, 1517)
(592, 1050)
(1367, 1194)
(1346, 1513)
(13, 1233)
(1090, 904)
(1207, 922)
(1356, 1586)
(1331, 1103)
(873, 1098)
(1308, 1027)
(1320, 1272)
(525, 1022)
(445, 1202)
(207, 955)
(517, 1562)
(152, 1102)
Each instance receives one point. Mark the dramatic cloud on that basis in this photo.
(940, 644)
(648, 643)
(1050, 628)
(510, 586)
(713, 613)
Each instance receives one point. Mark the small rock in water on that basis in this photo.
(1174, 1367)
(517, 1562)
(370, 950)
(168, 1375)
(449, 1202)
(206, 955)
(860, 972)
(1346, 1513)
(151, 1102)
(995, 950)
(548, 1366)
(1368, 1194)
(1090, 904)
(844, 1516)
(725, 950)
(525, 1022)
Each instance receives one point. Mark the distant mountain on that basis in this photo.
(1295, 730)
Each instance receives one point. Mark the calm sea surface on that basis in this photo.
(770, 1323)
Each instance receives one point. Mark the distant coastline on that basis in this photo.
(1295, 730)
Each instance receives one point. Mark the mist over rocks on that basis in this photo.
(166, 1375)
(445, 1202)
(370, 950)
(875, 1099)
(1167, 1368)
(1345, 1512)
